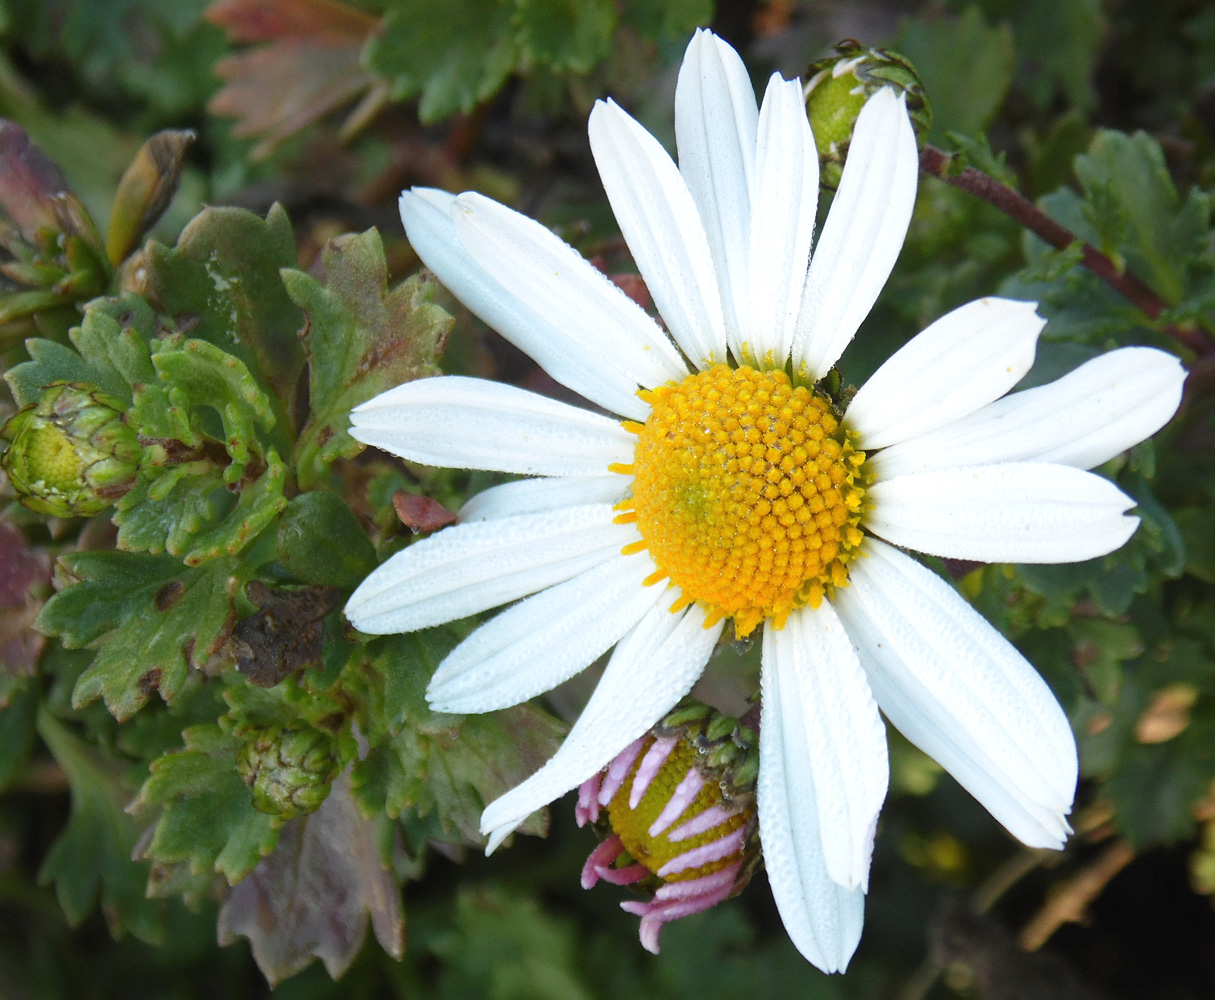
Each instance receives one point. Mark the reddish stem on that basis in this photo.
(1015, 205)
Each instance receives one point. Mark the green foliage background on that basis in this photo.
(239, 322)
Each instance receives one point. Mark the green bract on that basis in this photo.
(289, 770)
(836, 89)
(72, 452)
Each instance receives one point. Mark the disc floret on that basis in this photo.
(747, 493)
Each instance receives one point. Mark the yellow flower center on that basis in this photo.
(633, 825)
(746, 493)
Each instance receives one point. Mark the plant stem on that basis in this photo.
(1019, 208)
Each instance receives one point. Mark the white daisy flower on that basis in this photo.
(731, 489)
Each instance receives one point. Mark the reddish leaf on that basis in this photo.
(25, 578)
(419, 513)
(311, 897)
(310, 66)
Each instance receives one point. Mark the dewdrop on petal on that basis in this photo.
(676, 809)
(836, 89)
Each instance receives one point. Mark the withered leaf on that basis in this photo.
(284, 635)
(311, 897)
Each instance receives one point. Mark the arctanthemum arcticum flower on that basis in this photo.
(732, 489)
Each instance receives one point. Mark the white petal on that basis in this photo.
(1029, 512)
(1085, 418)
(863, 233)
(652, 668)
(716, 121)
(526, 323)
(662, 227)
(609, 329)
(827, 699)
(468, 568)
(958, 690)
(533, 496)
(472, 423)
(782, 219)
(541, 642)
(822, 917)
(960, 363)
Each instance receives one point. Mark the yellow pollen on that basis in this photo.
(746, 492)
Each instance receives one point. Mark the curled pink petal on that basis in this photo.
(618, 770)
(651, 763)
(711, 817)
(717, 885)
(587, 809)
(712, 851)
(684, 795)
(601, 857)
(628, 875)
(655, 914)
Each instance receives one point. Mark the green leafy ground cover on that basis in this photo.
(145, 650)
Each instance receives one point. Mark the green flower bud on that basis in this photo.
(289, 771)
(72, 452)
(838, 87)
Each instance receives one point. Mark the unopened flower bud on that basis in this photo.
(72, 452)
(289, 771)
(837, 88)
(676, 810)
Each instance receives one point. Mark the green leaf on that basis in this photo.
(320, 541)
(505, 946)
(362, 338)
(455, 54)
(91, 860)
(965, 66)
(204, 375)
(206, 815)
(17, 733)
(448, 766)
(1125, 177)
(567, 34)
(221, 284)
(255, 510)
(112, 344)
(149, 617)
(1155, 788)
(1058, 42)
(656, 19)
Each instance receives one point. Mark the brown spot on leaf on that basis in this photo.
(168, 595)
(284, 635)
(420, 513)
(149, 683)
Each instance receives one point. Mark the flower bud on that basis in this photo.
(838, 87)
(72, 452)
(676, 810)
(289, 771)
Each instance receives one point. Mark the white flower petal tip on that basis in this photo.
(594, 315)
(1026, 512)
(469, 568)
(863, 234)
(542, 641)
(662, 657)
(960, 363)
(661, 224)
(604, 369)
(1083, 419)
(716, 121)
(822, 917)
(959, 690)
(468, 423)
(843, 764)
(783, 208)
